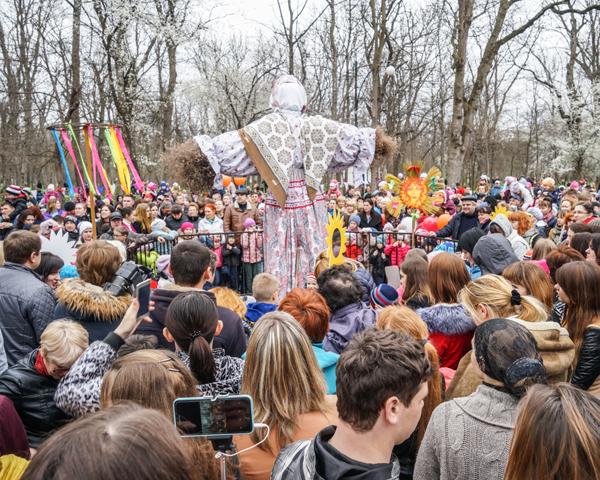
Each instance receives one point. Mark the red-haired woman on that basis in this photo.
(309, 308)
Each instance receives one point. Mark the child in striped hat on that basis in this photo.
(383, 296)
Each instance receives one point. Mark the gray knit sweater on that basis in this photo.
(468, 438)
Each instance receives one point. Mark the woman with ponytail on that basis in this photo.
(492, 296)
(405, 320)
(470, 437)
(577, 286)
(192, 323)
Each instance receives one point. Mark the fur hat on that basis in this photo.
(383, 296)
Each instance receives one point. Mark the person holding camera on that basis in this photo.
(85, 299)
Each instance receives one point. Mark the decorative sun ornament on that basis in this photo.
(60, 245)
(500, 210)
(413, 192)
(336, 244)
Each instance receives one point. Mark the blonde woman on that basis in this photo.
(405, 320)
(492, 296)
(287, 386)
(227, 298)
(32, 382)
(142, 220)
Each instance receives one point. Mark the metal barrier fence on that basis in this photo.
(360, 246)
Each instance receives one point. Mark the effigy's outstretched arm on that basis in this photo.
(198, 161)
(359, 147)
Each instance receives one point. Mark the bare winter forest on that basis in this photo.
(474, 86)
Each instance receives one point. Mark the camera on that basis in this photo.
(126, 278)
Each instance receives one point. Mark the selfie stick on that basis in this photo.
(224, 445)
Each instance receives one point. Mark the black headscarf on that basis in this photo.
(507, 352)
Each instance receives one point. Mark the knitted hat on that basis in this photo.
(355, 219)
(13, 190)
(70, 218)
(185, 225)
(379, 239)
(158, 224)
(83, 226)
(68, 271)
(249, 222)
(383, 296)
(536, 212)
(69, 206)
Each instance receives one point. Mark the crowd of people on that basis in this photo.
(482, 362)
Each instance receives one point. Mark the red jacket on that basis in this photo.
(396, 254)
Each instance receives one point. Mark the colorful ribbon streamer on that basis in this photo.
(64, 162)
(118, 160)
(69, 147)
(96, 162)
(139, 184)
(83, 163)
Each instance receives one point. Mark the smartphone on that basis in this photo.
(142, 293)
(214, 417)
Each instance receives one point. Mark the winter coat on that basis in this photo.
(555, 347)
(33, 397)
(26, 306)
(257, 464)
(327, 362)
(518, 243)
(79, 391)
(232, 257)
(173, 223)
(397, 253)
(367, 284)
(252, 246)
(311, 460)
(345, 323)
(211, 226)
(417, 301)
(3, 362)
(96, 309)
(450, 331)
(234, 218)
(493, 253)
(458, 224)
(375, 221)
(19, 204)
(257, 309)
(353, 251)
(587, 371)
(379, 260)
(468, 438)
(231, 339)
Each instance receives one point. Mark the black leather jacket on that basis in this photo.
(588, 364)
(33, 397)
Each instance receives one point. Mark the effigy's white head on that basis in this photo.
(288, 93)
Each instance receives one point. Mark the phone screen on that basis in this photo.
(142, 293)
(214, 417)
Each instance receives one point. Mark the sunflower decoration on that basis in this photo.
(499, 210)
(414, 191)
(336, 234)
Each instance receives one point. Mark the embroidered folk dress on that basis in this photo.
(292, 152)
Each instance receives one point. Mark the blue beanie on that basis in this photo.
(68, 271)
(383, 296)
(355, 219)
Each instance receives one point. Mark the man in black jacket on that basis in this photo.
(461, 222)
(26, 302)
(14, 195)
(190, 268)
(377, 407)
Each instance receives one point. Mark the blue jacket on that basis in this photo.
(327, 362)
(257, 310)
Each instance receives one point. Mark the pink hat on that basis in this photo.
(186, 225)
(249, 222)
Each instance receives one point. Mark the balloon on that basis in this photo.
(239, 181)
(226, 180)
(430, 224)
(443, 220)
